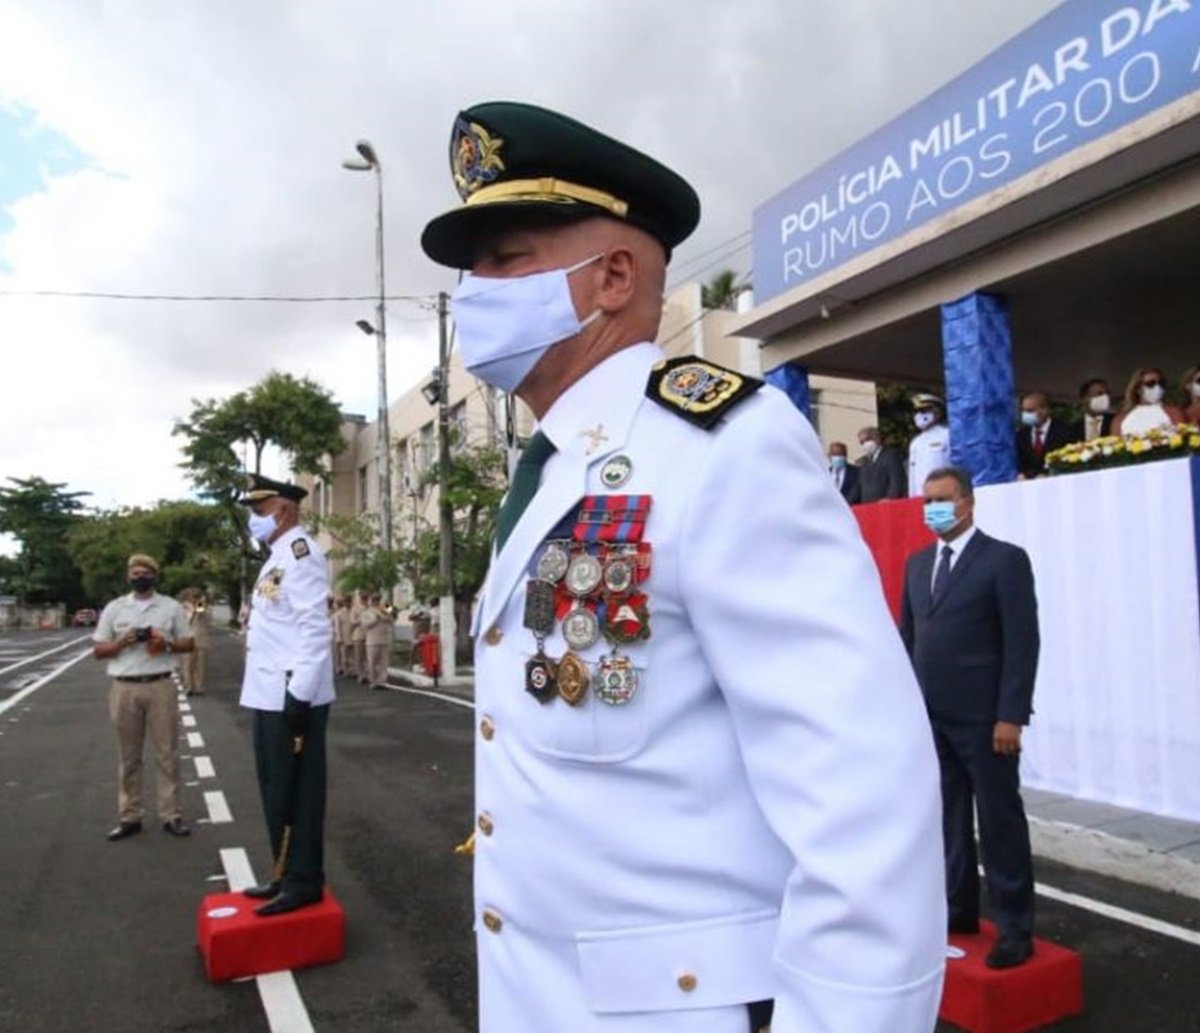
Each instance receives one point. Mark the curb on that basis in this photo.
(1094, 851)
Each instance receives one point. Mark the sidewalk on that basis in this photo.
(1141, 848)
(1145, 849)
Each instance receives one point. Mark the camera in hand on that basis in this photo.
(143, 634)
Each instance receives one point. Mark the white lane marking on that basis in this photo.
(278, 991)
(218, 807)
(48, 652)
(238, 872)
(283, 1004)
(469, 704)
(1119, 914)
(185, 708)
(189, 721)
(204, 767)
(12, 701)
(195, 740)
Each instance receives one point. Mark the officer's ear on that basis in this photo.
(618, 285)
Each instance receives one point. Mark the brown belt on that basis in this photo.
(142, 678)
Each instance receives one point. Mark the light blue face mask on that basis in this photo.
(939, 517)
(261, 527)
(1029, 418)
(837, 462)
(505, 324)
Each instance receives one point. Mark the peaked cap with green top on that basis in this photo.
(525, 162)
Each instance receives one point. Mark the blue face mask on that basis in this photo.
(506, 324)
(1029, 418)
(837, 462)
(939, 517)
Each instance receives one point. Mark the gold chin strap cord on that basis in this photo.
(548, 189)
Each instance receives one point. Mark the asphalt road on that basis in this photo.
(101, 936)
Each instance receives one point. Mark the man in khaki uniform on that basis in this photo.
(192, 665)
(138, 634)
(378, 624)
(341, 635)
(358, 640)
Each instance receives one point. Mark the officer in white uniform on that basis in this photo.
(929, 450)
(705, 781)
(288, 683)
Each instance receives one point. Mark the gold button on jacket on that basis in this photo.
(492, 920)
(485, 824)
(687, 982)
(487, 729)
(494, 635)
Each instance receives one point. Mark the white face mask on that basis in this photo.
(924, 420)
(870, 447)
(505, 325)
(1099, 403)
(1196, 389)
(262, 527)
(1152, 395)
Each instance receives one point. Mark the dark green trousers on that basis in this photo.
(293, 785)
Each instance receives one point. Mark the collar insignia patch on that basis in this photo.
(300, 548)
(700, 392)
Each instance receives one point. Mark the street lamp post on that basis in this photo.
(368, 161)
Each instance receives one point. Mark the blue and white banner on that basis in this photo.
(1085, 70)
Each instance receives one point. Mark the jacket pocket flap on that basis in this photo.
(713, 963)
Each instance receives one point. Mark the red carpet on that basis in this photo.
(235, 942)
(1047, 988)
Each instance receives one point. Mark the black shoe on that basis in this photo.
(176, 827)
(964, 926)
(286, 902)
(125, 830)
(1009, 952)
(264, 892)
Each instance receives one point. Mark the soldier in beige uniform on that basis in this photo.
(358, 640)
(341, 635)
(137, 634)
(192, 665)
(378, 624)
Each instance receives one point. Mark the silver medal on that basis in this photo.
(618, 575)
(553, 563)
(580, 628)
(583, 574)
(615, 680)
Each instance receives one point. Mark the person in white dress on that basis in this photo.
(1145, 409)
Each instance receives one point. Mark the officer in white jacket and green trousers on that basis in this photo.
(706, 788)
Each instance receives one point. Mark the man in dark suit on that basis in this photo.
(969, 621)
(881, 475)
(1096, 420)
(845, 476)
(1039, 435)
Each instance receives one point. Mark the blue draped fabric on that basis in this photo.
(792, 380)
(980, 401)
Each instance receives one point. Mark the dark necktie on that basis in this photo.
(1039, 445)
(941, 576)
(524, 485)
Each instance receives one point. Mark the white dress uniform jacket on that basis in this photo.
(290, 639)
(763, 818)
(926, 452)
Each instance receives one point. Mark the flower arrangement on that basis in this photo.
(1163, 443)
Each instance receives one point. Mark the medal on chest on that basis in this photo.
(269, 586)
(588, 585)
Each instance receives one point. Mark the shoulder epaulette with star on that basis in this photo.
(300, 548)
(699, 391)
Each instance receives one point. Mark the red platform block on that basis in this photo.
(235, 942)
(1047, 988)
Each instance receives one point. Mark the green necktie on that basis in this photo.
(524, 485)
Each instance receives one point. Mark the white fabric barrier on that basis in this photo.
(1117, 704)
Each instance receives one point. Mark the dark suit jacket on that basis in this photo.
(883, 477)
(1059, 434)
(849, 482)
(976, 651)
(1079, 430)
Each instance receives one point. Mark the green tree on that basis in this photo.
(368, 567)
(297, 416)
(39, 514)
(195, 544)
(722, 290)
(475, 483)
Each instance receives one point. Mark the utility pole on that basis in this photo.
(446, 618)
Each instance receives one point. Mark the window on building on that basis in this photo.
(363, 483)
(458, 426)
(426, 448)
(814, 410)
(319, 497)
(404, 473)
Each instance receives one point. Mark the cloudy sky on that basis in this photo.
(195, 148)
